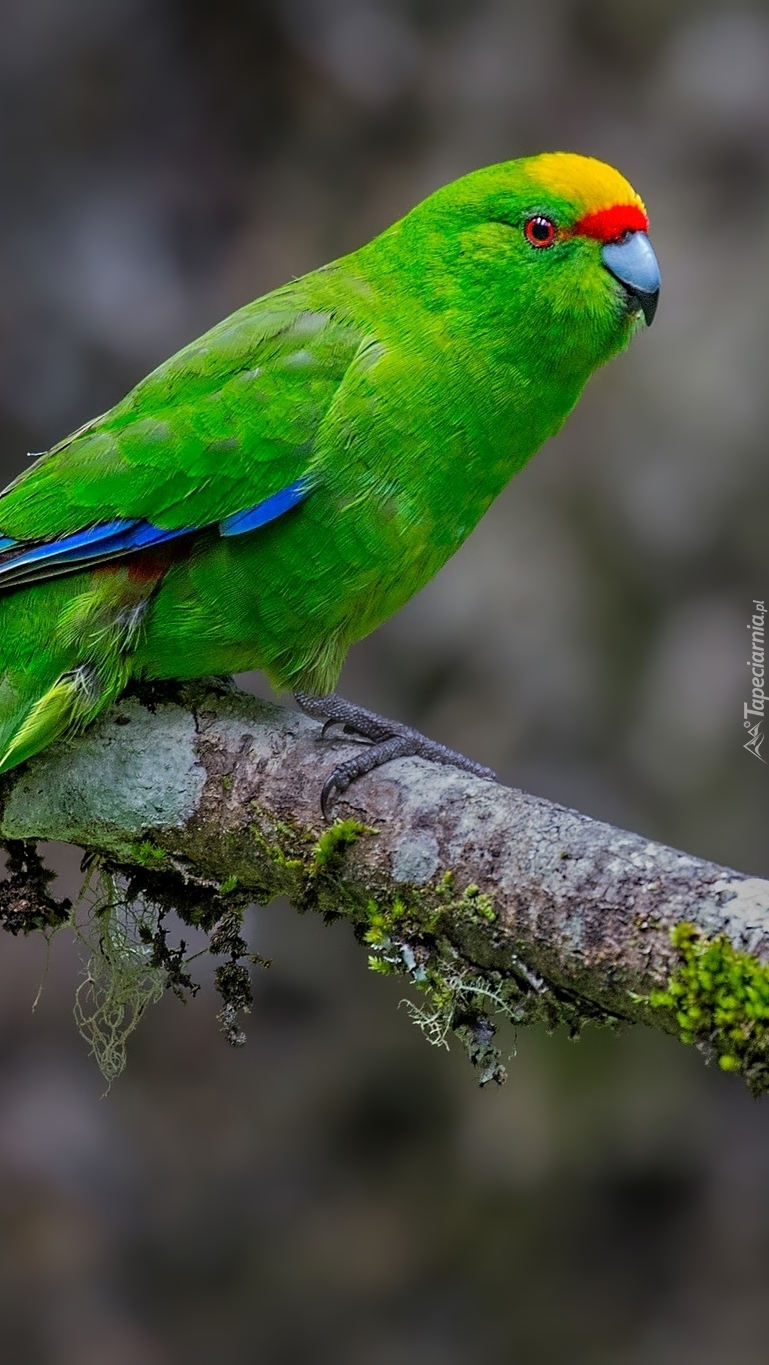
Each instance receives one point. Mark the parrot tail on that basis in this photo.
(73, 700)
(66, 652)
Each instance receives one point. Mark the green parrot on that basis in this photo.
(285, 483)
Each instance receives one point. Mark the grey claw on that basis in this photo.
(329, 787)
(387, 740)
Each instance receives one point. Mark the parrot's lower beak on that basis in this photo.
(633, 262)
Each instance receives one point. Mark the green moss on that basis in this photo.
(274, 852)
(415, 936)
(332, 843)
(439, 938)
(472, 905)
(719, 997)
(148, 855)
(378, 964)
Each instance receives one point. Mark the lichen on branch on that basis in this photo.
(483, 898)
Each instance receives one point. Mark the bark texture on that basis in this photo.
(483, 895)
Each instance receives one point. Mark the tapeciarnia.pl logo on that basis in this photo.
(755, 707)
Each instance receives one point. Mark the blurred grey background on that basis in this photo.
(337, 1191)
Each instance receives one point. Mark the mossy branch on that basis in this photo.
(487, 899)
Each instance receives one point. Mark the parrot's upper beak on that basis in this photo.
(632, 261)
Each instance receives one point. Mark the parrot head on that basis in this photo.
(549, 252)
(595, 210)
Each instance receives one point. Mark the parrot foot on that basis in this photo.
(388, 739)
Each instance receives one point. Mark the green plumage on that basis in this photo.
(406, 383)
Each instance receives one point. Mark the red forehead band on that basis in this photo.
(607, 225)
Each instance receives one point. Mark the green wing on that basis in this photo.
(227, 422)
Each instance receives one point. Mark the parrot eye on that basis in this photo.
(539, 231)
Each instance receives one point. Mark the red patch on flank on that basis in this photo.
(607, 225)
(151, 564)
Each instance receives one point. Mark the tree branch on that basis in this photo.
(485, 897)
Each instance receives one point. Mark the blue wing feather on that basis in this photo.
(98, 543)
(113, 539)
(268, 510)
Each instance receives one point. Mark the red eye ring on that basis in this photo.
(540, 231)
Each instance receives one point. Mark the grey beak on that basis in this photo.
(633, 262)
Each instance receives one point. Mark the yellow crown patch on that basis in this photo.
(590, 184)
